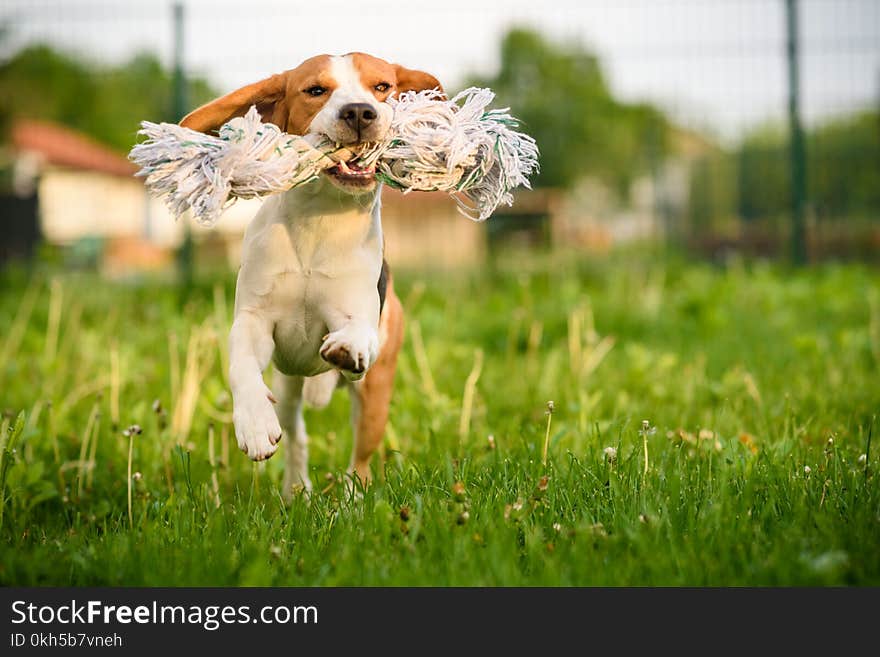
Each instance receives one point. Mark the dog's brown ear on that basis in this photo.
(409, 79)
(266, 94)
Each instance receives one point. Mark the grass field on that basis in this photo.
(710, 426)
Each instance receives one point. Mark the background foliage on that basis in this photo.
(106, 102)
(562, 96)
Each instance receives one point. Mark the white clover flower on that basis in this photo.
(807, 469)
(610, 453)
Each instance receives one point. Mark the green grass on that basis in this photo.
(746, 374)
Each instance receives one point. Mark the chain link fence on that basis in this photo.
(717, 70)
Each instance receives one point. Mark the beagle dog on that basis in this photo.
(314, 295)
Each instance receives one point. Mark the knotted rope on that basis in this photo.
(433, 144)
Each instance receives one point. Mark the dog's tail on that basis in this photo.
(317, 390)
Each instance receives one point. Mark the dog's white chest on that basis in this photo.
(298, 266)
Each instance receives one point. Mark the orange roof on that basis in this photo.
(62, 146)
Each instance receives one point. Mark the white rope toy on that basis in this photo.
(456, 146)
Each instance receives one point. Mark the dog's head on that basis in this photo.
(340, 97)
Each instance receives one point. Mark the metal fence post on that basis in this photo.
(186, 253)
(797, 160)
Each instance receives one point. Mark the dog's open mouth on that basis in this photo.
(353, 172)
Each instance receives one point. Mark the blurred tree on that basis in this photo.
(843, 167)
(563, 100)
(843, 170)
(712, 197)
(107, 103)
(763, 184)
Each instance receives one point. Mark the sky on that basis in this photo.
(715, 65)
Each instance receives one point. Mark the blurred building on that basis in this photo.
(87, 194)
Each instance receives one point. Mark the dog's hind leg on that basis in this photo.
(288, 390)
(317, 390)
(370, 397)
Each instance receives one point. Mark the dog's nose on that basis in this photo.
(358, 115)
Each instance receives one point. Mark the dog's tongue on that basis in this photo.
(354, 166)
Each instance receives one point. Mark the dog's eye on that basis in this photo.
(382, 87)
(317, 90)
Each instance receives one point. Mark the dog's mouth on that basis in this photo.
(353, 173)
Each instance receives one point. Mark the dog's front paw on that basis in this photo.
(352, 350)
(256, 424)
